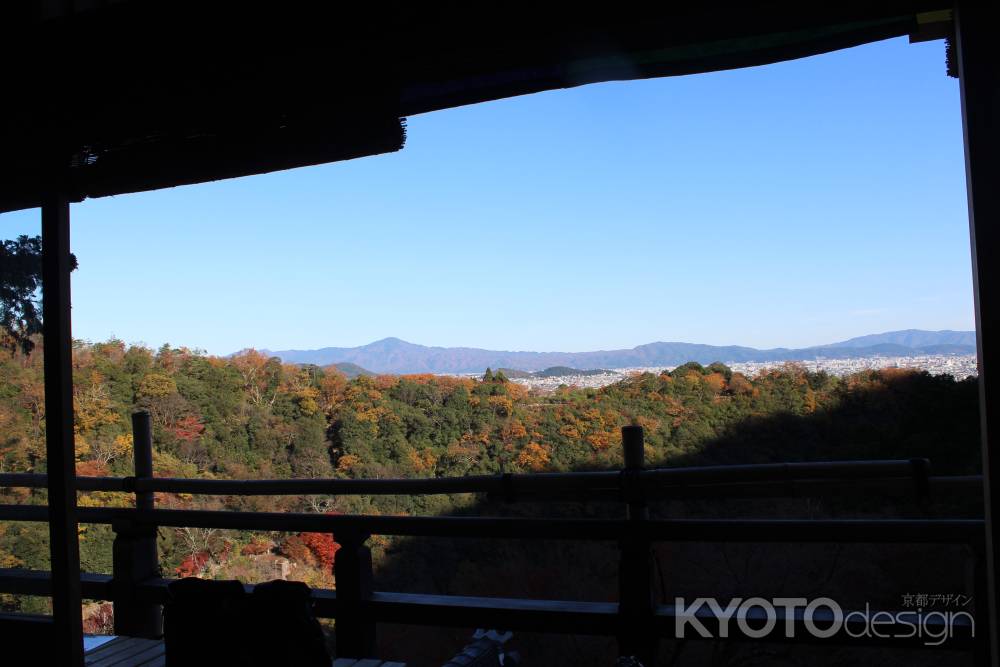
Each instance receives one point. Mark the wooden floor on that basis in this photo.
(131, 652)
(127, 652)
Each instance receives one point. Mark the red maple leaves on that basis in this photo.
(193, 564)
(188, 428)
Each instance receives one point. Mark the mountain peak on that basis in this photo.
(391, 341)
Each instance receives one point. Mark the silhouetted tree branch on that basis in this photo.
(20, 287)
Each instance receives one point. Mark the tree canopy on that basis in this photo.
(20, 286)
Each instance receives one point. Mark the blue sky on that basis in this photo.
(788, 205)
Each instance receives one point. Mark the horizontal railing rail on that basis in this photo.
(137, 589)
(913, 531)
(551, 485)
(766, 480)
(518, 614)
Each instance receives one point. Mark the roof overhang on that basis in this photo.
(137, 95)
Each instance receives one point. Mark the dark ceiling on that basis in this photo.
(111, 97)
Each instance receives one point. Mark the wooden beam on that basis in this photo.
(653, 486)
(553, 616)
(979, 77)
(59, 446)
(792, 531)
(38, 582)
(581, 617)
(766, 478)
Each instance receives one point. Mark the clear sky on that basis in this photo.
(788, 205)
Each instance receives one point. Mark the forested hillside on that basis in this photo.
(250, 416)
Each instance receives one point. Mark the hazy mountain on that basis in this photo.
(392, 355)
(352, 370)
(515, 374)
(912, 338)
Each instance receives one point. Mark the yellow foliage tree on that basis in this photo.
(93, 409)
(157, 385)
(422, 461)
(716, 382)
(534, 457)
(7, 559)
(348, 462)
(502, 405)
(107, 450)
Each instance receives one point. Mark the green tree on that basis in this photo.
(20, 284)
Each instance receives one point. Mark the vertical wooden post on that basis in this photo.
(353, 571)
(59, 445)
(979, 82)
(635, 591)
(134, 551)
(142, 455)
(633, 444)
(976, 584)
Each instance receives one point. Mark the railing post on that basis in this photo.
(352, 568)
(142, 446)
(134, 552)
(635, 591)
(977, 584)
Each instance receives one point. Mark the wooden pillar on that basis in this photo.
(353, 570)
(134, 553)
(979, 77)
(976, 584)
(142, 455)
(59, 445)
(635, 591)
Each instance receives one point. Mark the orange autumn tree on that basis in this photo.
(534, 457)
(323, 548)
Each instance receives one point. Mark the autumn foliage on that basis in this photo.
(188, 428)
(316, 549)
(256, 547)
(194, 564)
(322, 547)
(91, 469)
(99, 619)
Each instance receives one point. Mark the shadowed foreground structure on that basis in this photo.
(636, 619)
(108, 104)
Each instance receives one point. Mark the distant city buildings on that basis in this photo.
(554, 382)
(958, 366)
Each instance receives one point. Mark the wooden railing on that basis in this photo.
(138, 590)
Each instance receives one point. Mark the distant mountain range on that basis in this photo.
(392, 355)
